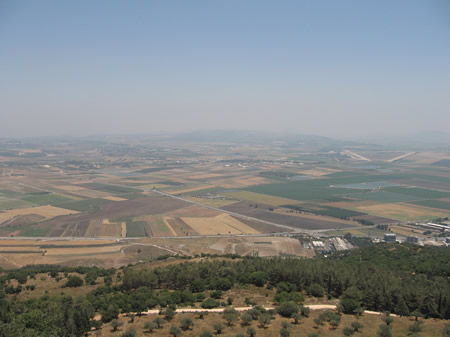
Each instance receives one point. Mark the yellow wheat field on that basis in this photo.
(114, 198)
(221, 224)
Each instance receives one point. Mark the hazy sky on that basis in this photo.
(337, 68)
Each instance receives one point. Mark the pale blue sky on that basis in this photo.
(337, 68)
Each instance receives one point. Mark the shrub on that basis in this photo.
(168, 314)
(230, 315)
(264, 319)
(285, 325)
(131, 332)
(115, 323)
(357, 326)
(251, 331)
(297, 317)
(175, 331)
(246, 318)
(206, 333)
(284, 332)
(315, 290)
(210, 303)
(287, 309)
(384, 331)
(186, 323)
(150, 326)
(159, 322)
(218, 327)
(216, 294)
(73, 281)
(347, 331)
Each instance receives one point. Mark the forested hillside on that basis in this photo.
(405, 280)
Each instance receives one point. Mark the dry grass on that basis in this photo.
(431, 328)
(221, 224)
(79, 252)
(82, 250)
(40, 242)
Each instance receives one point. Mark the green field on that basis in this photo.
(134, 228)
(10, 194)
(325, 210)
(131, 196)
(419, 192)
(49, 199)
(317, 189)
(383, 196)
(443, 163)
(13, 204)
(159, 225)
(433, 204)
(36, 230)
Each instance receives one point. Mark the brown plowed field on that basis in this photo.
(194, 211)
(375, 219)
(260, 226)
(309, 222)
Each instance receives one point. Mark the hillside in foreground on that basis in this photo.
(51, 300)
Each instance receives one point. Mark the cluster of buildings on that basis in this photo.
(331, 245)
(435, 241)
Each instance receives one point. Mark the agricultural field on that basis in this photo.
(404, 212)
(221, 224)
(99, 190)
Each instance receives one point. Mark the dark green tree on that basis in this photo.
(351, 300)
(286, 309)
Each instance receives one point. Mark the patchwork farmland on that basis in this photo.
(252, 190)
